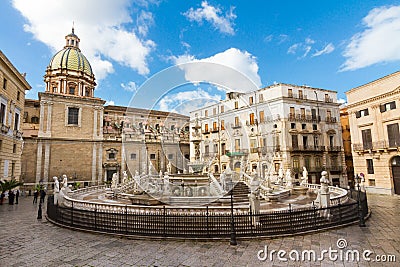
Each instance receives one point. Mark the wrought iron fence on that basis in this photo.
(207, 223)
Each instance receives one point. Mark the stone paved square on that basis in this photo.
(27, 241)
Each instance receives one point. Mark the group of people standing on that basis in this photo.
(40, 193)
(12, 197)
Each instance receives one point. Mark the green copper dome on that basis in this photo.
(70, 58)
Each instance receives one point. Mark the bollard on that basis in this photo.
(39, 213)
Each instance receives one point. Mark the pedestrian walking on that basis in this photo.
(35, 196)
(11, 196)
(42, 196)
(2, 198)
(16, 196)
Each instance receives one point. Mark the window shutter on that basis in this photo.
(366, 112)
(393, 105)
(382, 108)
(358, 114)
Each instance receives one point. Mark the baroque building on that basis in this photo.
(69, 131)
(12, 97)
(374, 125)
(280, 125)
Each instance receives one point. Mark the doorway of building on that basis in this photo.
(395, 164)
(236, 167)
(110, 174)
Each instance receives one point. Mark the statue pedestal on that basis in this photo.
(255, 208)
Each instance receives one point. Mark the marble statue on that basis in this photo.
(65, 181)
(280, 175)
(125, 177)
(191, 170)
(289, 183)
(114, 181)
(169, 167)
(304, 179)
(56, 190)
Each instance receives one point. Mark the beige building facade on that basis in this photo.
(69, 131)
(12, 97)
(374, 119)
(282, 125)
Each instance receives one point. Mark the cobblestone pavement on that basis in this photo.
(26, 241)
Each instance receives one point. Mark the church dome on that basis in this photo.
(70, 58)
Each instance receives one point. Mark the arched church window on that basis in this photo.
(72, 90)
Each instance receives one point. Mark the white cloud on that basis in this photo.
(130, 87)
(293, 48)
(326, 50)
(100, 24)
(144, 21)
(341, 101)
(233, 69)
(282, 38)
(223, 23)
(184, 102)
(110, 103)
(379, 42)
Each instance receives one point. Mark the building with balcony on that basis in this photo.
(12, 96)
(280, 125)
(346, 136)
(69, 131)
(374, 126)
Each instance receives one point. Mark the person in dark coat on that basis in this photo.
(16, 196)
(11, 196)
(2, 198)
(35, 196)
(42, 196)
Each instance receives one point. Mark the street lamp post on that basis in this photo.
(233, 241)
(360, 212)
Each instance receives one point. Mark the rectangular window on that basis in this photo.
(328, 114)
(293, 125)
(367, 139)
(14, 148)
(153, 156)
(133, 156)
(12, 169)
(303, 126)
(236, 105)
(16, 121)
(261, 98)
(2, 113)
(393, 135)
(253, 143)
(314, 127)
(292, 112)
(305, 141)
(316, 141)
(18, 95)
(296, 162)
(237, 144)
(214, 111)
(223, 148)
(303, 113)
(72, 90)
(251, 100)
(215, 127)
(222, 109)
(295, 142)
(222, 125)
(370, 166)
(301, 94)
(206, 150)
(261, 116)
(206, 128)
(317, 162)
(237, 123)
(216, 148)
(362, 113)
(206, 113)
(388, 106)
(4, 83)
(170, 156)
(290, 92)
(252, 121)
(307, 161)
(73, 116)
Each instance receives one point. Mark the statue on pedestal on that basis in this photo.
(114, 181)
(304, 179)
(280, 175)
(125, 177)
(56, 190)
(169, 167)
(289, 183)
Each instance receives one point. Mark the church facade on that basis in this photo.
(70, 131)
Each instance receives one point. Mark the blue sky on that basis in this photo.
(335, 45)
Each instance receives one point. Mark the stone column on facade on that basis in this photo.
(65, 87)
(94, 160)
(39, 162)
(41, 117)
(100, 126)
(46, 162)
(95, 117)
(100, 165)
(123, 158)
(49, 113)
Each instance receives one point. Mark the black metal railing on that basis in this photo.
(205, 222)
